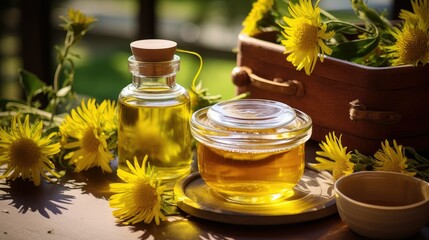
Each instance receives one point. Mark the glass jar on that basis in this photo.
(251, 151)
(154, 113)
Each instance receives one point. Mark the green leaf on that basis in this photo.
(355, 49)
(361, 161)
(31, 83)
(342, 28)
(369, 14)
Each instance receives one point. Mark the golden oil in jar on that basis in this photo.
(251, 151)
(250, 177)
(154, 111)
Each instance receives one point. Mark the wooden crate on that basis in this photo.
(365, 104)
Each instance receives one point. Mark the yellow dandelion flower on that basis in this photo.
(139, 198)
(108, 116)
(412, 42)
(77, 22)
(77, 17)
(334, 157)
(411, 47)
(85, 131)
(391, 159)
(259, 9)
(26, 151)
(305, 36)
(419, 16)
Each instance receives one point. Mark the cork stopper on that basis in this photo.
(153, 50)
(153, 58)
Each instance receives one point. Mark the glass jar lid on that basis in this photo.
(251, 114)
(251, 125)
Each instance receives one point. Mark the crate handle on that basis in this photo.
(243, 76)
(358, 111)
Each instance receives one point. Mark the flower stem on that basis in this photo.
(194, 81)
(351, 25)
(68, 43)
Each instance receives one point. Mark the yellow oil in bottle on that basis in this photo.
(161, 132)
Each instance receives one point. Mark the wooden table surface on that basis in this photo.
(78, 208)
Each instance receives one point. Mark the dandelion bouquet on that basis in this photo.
(309, 32)
(335, 158)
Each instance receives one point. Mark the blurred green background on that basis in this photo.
(209, 27)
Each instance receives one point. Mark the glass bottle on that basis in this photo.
(154, 111)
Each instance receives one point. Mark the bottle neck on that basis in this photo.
(154, 75)
(144, 82)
